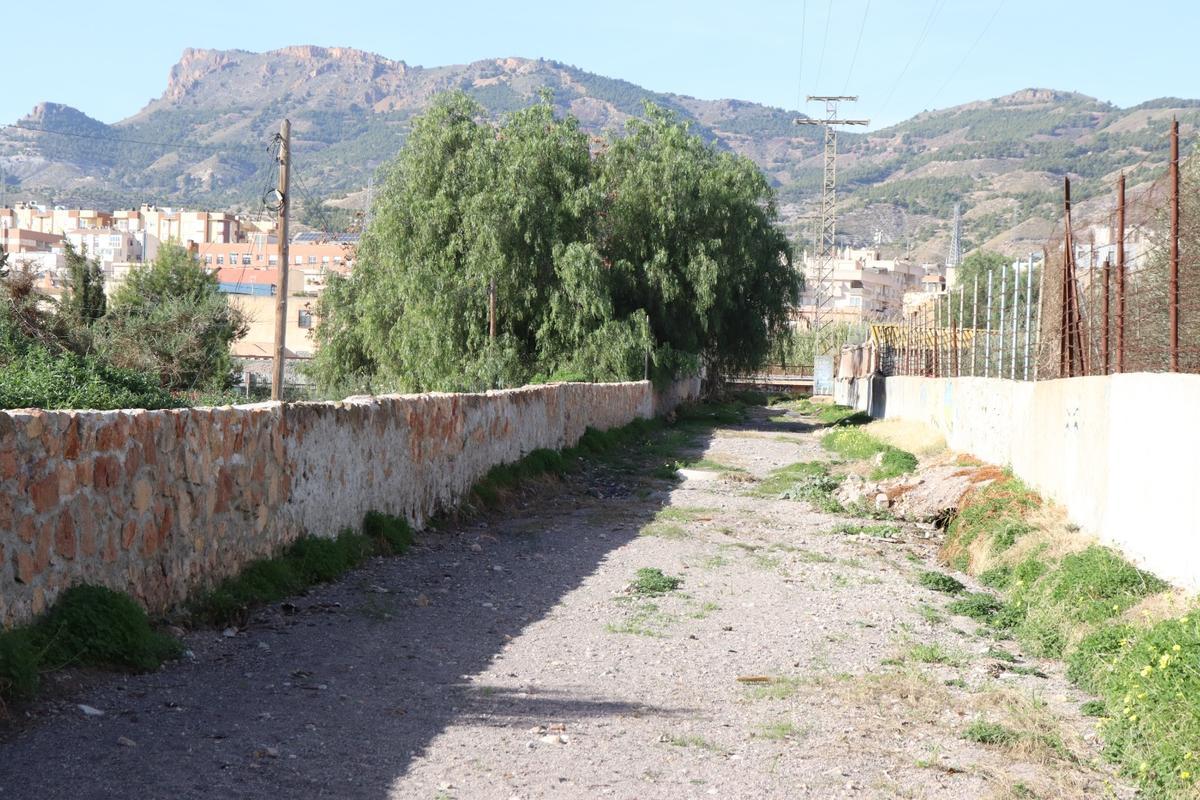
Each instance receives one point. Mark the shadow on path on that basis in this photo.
(334, 693)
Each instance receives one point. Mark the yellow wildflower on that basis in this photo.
(1146, 670)
(1175, 648)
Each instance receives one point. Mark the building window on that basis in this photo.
(304, 318)
(324, 259)
(208, 258)
(312, 259)
(273, 260)
(233, 258)
(220, 259)
(299, 259)
(246, 260)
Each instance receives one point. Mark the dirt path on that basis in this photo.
(507, 659)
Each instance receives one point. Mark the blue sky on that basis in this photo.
(110, 63)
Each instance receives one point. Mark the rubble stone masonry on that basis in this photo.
(161, 503)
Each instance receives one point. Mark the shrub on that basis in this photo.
(940, 582)
(390, 535)
(95, 626)
(18, 664)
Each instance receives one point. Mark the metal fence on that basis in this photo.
(1129, 304)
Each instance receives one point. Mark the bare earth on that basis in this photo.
(507, 659)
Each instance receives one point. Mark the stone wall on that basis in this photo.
(1118, 452)
(160, 503)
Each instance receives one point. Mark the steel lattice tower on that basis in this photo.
(822, 292)
(954, 257)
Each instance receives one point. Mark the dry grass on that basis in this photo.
(1171, 604)
(1052, 538)
(918, 439)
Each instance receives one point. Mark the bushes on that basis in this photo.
(88, 626)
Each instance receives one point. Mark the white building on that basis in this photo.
(107, 245)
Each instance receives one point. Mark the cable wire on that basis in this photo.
(824, 43)
(954, 73)
(122, 140)
(800, 77)
(933, 11)
(854, 59)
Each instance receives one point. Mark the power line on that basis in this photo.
(800, 77)
(862, 26)
(987, 26)
(824, 43)
(937, 4)
(122, 140)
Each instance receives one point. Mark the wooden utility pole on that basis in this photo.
(1173, 300)
(285, 201)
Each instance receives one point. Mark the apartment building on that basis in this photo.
(863, 286)
(107, 245)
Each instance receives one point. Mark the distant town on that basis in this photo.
(242, 250)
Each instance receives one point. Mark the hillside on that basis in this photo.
(350, 110)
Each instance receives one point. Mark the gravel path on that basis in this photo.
(508, 659)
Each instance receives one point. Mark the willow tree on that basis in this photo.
(692, 237)
(661, 246)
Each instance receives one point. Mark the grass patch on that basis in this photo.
(645, 619)
(990, 733)
(979, 606)
(1083, 590)
(995, 513)
(940, 582)
(931, 654)
(930, 614)
(881, 531)
(776, 688)
(652, 582)
(777, 731)
(307, 561)
(810, 481)
(663, 530)
(691, 741)
(683, 513)
(857, 445)
(826, 413)
(88, 626)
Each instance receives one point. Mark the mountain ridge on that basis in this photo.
(350, 110)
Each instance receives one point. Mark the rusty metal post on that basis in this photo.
(1173, 300)
(1104, 339)
(1121, 273)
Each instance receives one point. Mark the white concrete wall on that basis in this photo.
(1120, 452)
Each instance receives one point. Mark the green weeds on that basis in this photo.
(305, 562)
(940, 582)
(652, 582)
(856, 444)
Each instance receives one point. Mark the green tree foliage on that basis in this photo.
(659, 246)
(973, 277)
(39, 370)
(170, 320)
(84, 301)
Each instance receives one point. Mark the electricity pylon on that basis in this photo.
(822, 292)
